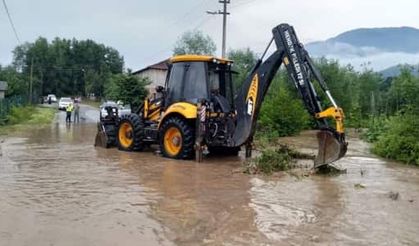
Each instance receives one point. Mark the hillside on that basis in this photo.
(395, 71)
(380, 48)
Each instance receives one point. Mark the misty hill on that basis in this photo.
(395, 70)
(393, 39)
(379, 47)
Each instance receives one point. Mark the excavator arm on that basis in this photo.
(290, 52)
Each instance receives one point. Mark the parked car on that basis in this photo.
(64, 102)
(53, 98)
(122, 109)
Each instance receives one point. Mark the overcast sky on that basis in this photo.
(144, 32)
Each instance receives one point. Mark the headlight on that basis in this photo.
(104, 113)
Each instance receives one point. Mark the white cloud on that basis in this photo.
(145, 31)
(378, 61)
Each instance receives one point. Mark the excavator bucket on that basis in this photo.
(331, 148)
(101, 139)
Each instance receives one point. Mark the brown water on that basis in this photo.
(57, 189)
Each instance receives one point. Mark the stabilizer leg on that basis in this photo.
(249, 146)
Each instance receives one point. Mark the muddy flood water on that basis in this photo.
(57, 189)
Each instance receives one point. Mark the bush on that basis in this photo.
(376, 128)
(400, 139)
(282, 114)
(279, 159)
(30, 115)
(20, 114)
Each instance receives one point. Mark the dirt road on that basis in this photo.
(57, 189)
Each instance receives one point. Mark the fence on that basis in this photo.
(7, 104)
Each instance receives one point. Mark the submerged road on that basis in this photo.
(57, 189)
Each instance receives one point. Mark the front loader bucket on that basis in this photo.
(331, 148)
(101, 140)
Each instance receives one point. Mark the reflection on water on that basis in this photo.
(56, 188)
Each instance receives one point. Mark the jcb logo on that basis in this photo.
(250, 106)
(252, 95)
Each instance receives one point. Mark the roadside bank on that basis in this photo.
(27, 117)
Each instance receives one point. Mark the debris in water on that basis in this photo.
(330, 169)
(280, 159)
(359, 186)
(393, 195)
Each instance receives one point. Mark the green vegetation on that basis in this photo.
(399, 139)
(63, 67)
(67, 68)
(17, 84)
(270, 161)
(394, 131)
(244, 61)
(194, 42)
(21, 118)
(6, 105)
(282, 158)
(128, 88)
(282, 113)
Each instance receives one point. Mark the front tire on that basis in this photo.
(110, 131)
(131, 133)
(177, 139)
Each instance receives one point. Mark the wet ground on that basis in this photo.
(57, 189)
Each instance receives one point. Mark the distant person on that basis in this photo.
(49, 100)
(68, 110)
(76, 111)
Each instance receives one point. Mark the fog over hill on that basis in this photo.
(377, 48)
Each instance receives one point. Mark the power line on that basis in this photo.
(224, 13)
(195, 27)
(11, 21)
(185, 16)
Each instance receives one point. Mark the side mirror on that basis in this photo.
(159, 89)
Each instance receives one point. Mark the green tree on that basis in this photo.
(16, 82)
(67, 67)
(244, 60)
(404, 91)
(400, 139)
(282, 112)
(194, 42)
(128, 88)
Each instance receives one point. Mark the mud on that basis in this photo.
(57, 189)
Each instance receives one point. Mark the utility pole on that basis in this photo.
(224, 13)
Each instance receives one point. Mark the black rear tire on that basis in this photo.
(137, 134)
(187, 142)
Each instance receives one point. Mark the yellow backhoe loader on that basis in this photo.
(198, 109)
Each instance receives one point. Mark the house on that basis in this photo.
(156, 73)
(3, 89)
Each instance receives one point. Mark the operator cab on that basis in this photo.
(192, 78)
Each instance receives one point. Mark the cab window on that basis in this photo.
(187, 82)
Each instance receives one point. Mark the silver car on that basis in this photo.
(64, 102)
